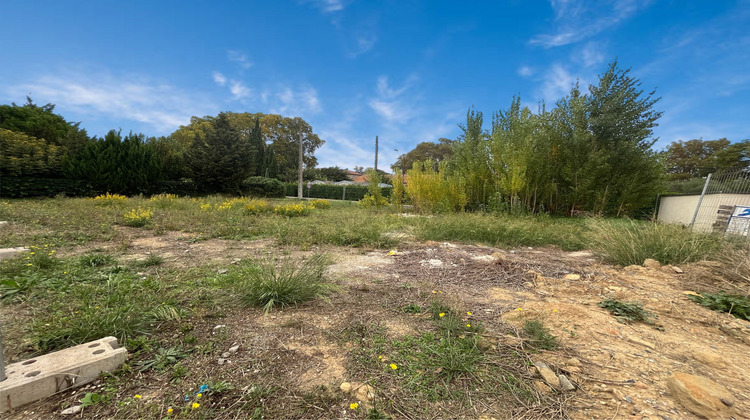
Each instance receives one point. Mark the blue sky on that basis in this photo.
(404, 70)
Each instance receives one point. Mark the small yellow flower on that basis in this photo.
(468, 313)
(434, 291)
(196, 405)
(138, 396)
(393, 366)
(198, 395)
(519, 309)
(554, 310)
(441, 314)
(468, 325)
(169, 410)
(380, 357)
(31, 253)
(28, 264)
(354, 406)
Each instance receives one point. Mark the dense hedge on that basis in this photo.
(19, 187)
(258, 186)
(334, 192)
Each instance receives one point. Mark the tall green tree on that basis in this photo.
(436, 152)
(223, 159)
(259, 144)
(471, 161)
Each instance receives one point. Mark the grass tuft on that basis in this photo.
(627, 312)
(289, 284)
(538, 336)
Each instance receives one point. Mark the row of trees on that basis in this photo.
(215, 153)
(590, 153)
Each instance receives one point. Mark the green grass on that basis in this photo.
(288, 284)
(627, 242)
(538, 336)
(627, 312)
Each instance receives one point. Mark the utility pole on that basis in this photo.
(376, 153)
(299, 177)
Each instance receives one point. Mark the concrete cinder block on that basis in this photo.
(42, 376)
(6, 253)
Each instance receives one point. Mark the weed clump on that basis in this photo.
(109, 199)
(627, 312)
(538, 336)
(289, 284)
(138, 217)
(736, 305)
(293, 210)
(630, 242)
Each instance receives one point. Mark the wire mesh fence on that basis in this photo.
(724, 205)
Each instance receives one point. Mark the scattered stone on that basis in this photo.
(236, 260)
(619, 395)
(365, 393)
(217, 328)
(572, 277)
(234, 349)
(223, 271)
(499, 257)
(225, 354)
(565, 384)
(651, 263)
(72, 410)
(677, 270)
(221, 361)
(3, 223)
(572, 369)
(542, 387)
(573, 361)
(709, 359)
(432, 263)
(641, 385)
(528, 285)
(484, 258)
(645, 343)
(547, 374)
(346, 387)
(702, 396)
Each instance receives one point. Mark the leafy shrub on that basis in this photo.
(432, 191)
(293, 210)
(335, 192)
(628, 242)
(230, 203)
(737, 305)
(19, 187)
(258, 186)
(288, 284)
(320, 204)
(373, 201)
(627, 312)
(109, 199)
(257, 207)
(138, 217)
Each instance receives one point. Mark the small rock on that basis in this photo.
(234, 349)
(565, 384)
(645, 343)
(223, 271)
(709, 359)
(547, 374)
(225, 354)
(365, 393)
(346, 387)
(573, 361)
(618, 395)
(573, 369)
(702, 396)
(651, 263)
(528, 285)
(72, 410)
(542, 387)
(218, 327)
(677, 270)
(641, 385)
(572, 277)
(221, 361)
(499, 257)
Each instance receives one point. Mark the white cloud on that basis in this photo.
(557, 83)
(219, 78)
(590, 55)
(239, 90)
(239, 58)
(389, 105)
(363, 44)
(576, 20)
(127, 97)
(294, 103)
(525, 71)
(327, 6)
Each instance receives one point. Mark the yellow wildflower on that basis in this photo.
(196, 405)
(393, 366)
(199, 395)
(468, 325)
(468, 313)
(441, 314)
(354, 406)
(138, 396)
(169, 410)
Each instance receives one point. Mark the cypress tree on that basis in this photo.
(257, 142)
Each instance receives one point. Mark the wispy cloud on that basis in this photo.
(295, 103)
(120, 97)
(219, 78)
(327, 6)
(389, 103)
(577, 20)
(557, 82)
(590, 55)
(239, 58)
(239, 90)
(363, 43)
(525, 71)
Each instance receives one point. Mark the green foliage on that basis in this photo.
(92, 398)
(259, 146)
(697, 158)
(627, 312)
(433, 191)
(374, 196)
(538, 336)
(162, 359)
(95, 260)
(221, 160)
(117, 165)
(22, 155)
(737, 305)
(15, 187)
(435, 152)
(258, 186)
(686, 186)
(335, 192)
(289, 284)
(398, 193)
(629, 242)
(412, 308)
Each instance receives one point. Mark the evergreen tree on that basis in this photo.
(223, 159)
(258, 144)
(270, 164)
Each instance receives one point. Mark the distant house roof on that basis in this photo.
(362, 179)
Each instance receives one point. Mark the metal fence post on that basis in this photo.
(700, 200)
(344, 196)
